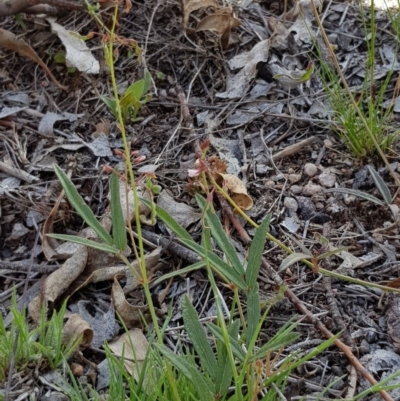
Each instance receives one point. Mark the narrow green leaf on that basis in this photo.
(81, 207)
(198, 337)
(180, 272)
(118, 223)
(358, 193)
(169, 221)
(283, 337)
(381, 185)
(202, 385)
(294, 364)
(223, 371)
(176, 360)
(253, 313)
(85, 241)
(256, 252)
(220, 236)
(217, 264)
(292, 259)
(237, 350)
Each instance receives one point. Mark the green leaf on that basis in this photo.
(256, 252)
(237, 350)
(169, 221)
(81, 207)
(253, 313)
(217, 264)
(147, 82)
(180, 272)
(85, 241)
(283, 337)
(292, 259)
(355, 192)
(381, 185)
(111, 103)
(198, 337)
(294, 364)
(176, 360)
(133, 94)
(223, 371)
(220, 236)
(199, 381)
(118, 223)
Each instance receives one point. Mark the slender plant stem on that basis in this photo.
(142, 262)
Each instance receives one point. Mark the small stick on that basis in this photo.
(15, 172)
(292, 149)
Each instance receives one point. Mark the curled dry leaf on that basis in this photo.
(76, 327)
(103, 267)
(222, 22)
(236, 190)
(11, 42)
(192, 5)
(58, 282)
(130, 314)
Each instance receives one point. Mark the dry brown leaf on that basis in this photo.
(133, 346)
(221, 22)
(237, 190)
(130, 314)
(76, 327)
(192, 5)
(100, 268)
(11, 42)
(58, 282)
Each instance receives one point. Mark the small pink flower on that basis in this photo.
(194, 172)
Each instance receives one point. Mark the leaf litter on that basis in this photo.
(261, 85)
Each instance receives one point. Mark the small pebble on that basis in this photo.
(327, 180)
(328, 143)
(296, 189)
(294, 178)
(319, 205)
(311, 189)
(310, 169)
(291, 204)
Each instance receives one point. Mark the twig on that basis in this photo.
(15, 172)
(295, 148)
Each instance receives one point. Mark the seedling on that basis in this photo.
(135, 96)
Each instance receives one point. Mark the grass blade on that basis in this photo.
(179, 272)
(217, 264)
(118, 223)
(169, 221)
(355, 192)
(220, 236)
(381, 185)
(84, 241)
(202, 385)
(81, 207)
(256, 251)
(237, 350)
(198, 337)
